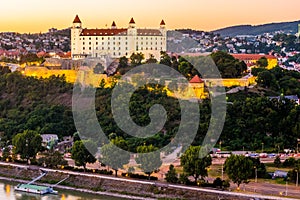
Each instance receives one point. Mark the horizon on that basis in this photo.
(32, 16)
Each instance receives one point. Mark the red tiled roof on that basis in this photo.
(251, 56)
(196, 79)
(132, 21)
(76, 20)
(162, 23)
(103, 32)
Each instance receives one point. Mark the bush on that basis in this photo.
(290, 162)
(139, 176)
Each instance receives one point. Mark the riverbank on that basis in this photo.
(117, 187)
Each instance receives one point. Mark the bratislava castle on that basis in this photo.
(117, 42)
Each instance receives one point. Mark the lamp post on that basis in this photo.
(222, 172)
(297, 177)
(255, 174)
(286, 187)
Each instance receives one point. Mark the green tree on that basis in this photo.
(136, 59)
(171, 175)
(27, 144)
(238, 168)
(228, 66)
(148, 158)
(123, 62)
(81, 155)
(165, 59)
(262, 62)
(277, 161)
(193, 164)
(151, 59)
(115, 154)
(53, 159)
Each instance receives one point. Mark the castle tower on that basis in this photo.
(114, 26)
(75, 34)
(132, 33)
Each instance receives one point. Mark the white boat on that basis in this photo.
(36, 189)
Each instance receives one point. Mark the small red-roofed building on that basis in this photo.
(197, 84)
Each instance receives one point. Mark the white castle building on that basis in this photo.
(117, 42)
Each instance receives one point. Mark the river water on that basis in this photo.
(7, 192)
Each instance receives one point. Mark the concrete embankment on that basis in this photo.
(120, 187)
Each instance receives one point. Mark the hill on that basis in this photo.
(286, 27)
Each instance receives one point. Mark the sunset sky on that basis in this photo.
(40, 15)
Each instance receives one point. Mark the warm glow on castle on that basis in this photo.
(117, 42)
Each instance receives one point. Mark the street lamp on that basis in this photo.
(255, 174)
(297, 177)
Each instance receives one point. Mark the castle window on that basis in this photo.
(114, 38)
(108, 43)
(126, 43)
(96, 38)
(114, 48)
(96, 48)
(141, 48)
(119, 48)
(90, 43)
(146, 48)
(119, 38)
(96, 43)
(151, 48)
(108, 38)
(83, 38)
(126, 48)
(83, 48)
(119, 53)
(114, 53)
(83, 43)
(108, 48)
(114, 43)
(102, 48)
(155, 48)
(126, 54)
(90, 38)
(90, 48)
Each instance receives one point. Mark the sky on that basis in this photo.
(39, 15)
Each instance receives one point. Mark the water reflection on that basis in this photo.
(7, 193)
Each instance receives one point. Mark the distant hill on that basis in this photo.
(287, 27)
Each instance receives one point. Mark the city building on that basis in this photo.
(117, 42)
(251, 59)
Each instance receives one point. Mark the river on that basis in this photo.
(7, 192)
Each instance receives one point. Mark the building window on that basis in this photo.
(126, 43)
(96, 48)
(90, 43)
(90, 38)
(114, 43)
(142, 48)
(90, 48)
(96, 43)
(102, 38)
(114, 53)
(126, 54)
(83, 48)
(126, 48)
(155, 48)
(119, 48)
(96, 38)
(114, 38)
(114, 48)
(146, 48)
(83, 38)
(108, 38)
(102, 48)
(108, 48)
(83, 43)
(119, 53)
(102, 43)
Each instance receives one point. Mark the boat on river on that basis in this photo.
(37, 189)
